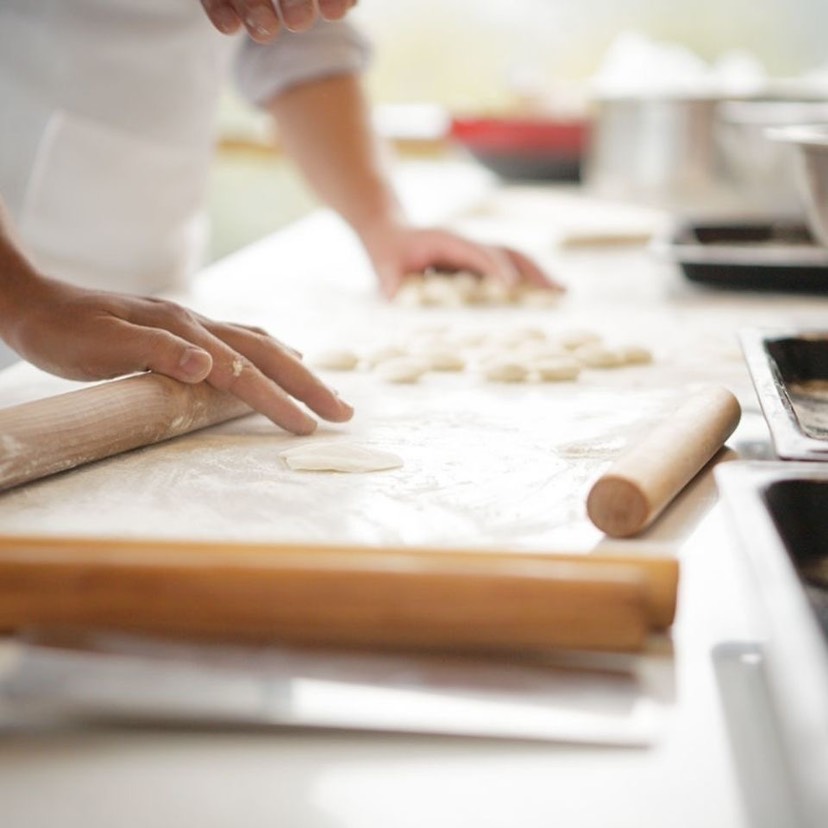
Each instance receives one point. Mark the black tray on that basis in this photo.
(789, 369)
(763, 256)
(780, 513)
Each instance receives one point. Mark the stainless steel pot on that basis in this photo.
(659, 149)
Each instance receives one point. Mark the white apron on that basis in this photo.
(106, 132)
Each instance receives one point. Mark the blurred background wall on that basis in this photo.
(465, 53)
(477, 55)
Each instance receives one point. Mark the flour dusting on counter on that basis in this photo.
(339, 457)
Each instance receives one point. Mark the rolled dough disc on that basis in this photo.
(339, 457)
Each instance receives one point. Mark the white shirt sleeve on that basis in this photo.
(263, 71)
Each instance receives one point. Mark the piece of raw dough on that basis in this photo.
(454, 289)
(442, 290)
(556, 369)
(571, 340)
(401, 370)
(505, 370)
(492, 291)
(635, 354)
(341, 359)
(598, 356)
(537, 297)
(410, 293)
(382, 354)
(339, 457)
(443, 359)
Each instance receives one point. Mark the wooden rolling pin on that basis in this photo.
(659, 574)
(341, 596)
(57, 433)
(637, 488)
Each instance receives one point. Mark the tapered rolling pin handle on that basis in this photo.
(58, 433)
(637, 488)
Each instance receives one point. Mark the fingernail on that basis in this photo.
(226, 20)
(307, 427)
(333, 9)
(195, 363)
(262, 22)
(297, 14)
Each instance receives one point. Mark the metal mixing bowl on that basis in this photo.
(764, 169)
(810, 145)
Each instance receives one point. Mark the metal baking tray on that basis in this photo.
(789, 369)
(751, 255)
(780, 514)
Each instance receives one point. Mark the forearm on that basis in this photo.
(325, 127)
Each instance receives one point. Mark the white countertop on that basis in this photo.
(486, 466)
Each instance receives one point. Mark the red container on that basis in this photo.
(525, 147)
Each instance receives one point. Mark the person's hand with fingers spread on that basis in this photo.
(399, 250)
(326, 127)
(263, 19)
(91, 335)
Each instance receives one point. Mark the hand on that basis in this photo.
(402, 250)
(263, 19)
(92, 335)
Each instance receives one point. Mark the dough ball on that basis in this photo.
(401, 370)
(339, 457)
(505, 370)
(492, 291)
(439, 289)
(382, 354)
(442, 290)
(335, 360)
(598, 356)
(410, 292)
(443, 359)
(635, 354)
(467, 286)
(556, 369)
(537, 297)
(571, 340)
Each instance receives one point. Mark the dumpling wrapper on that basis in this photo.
(339, 457)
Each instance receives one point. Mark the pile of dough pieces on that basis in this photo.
(517, 355)
(435, 289)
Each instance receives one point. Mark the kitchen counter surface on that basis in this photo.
(485, 466)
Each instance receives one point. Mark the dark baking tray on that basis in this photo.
(760, 256)
(789, 369)
(780, 513)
